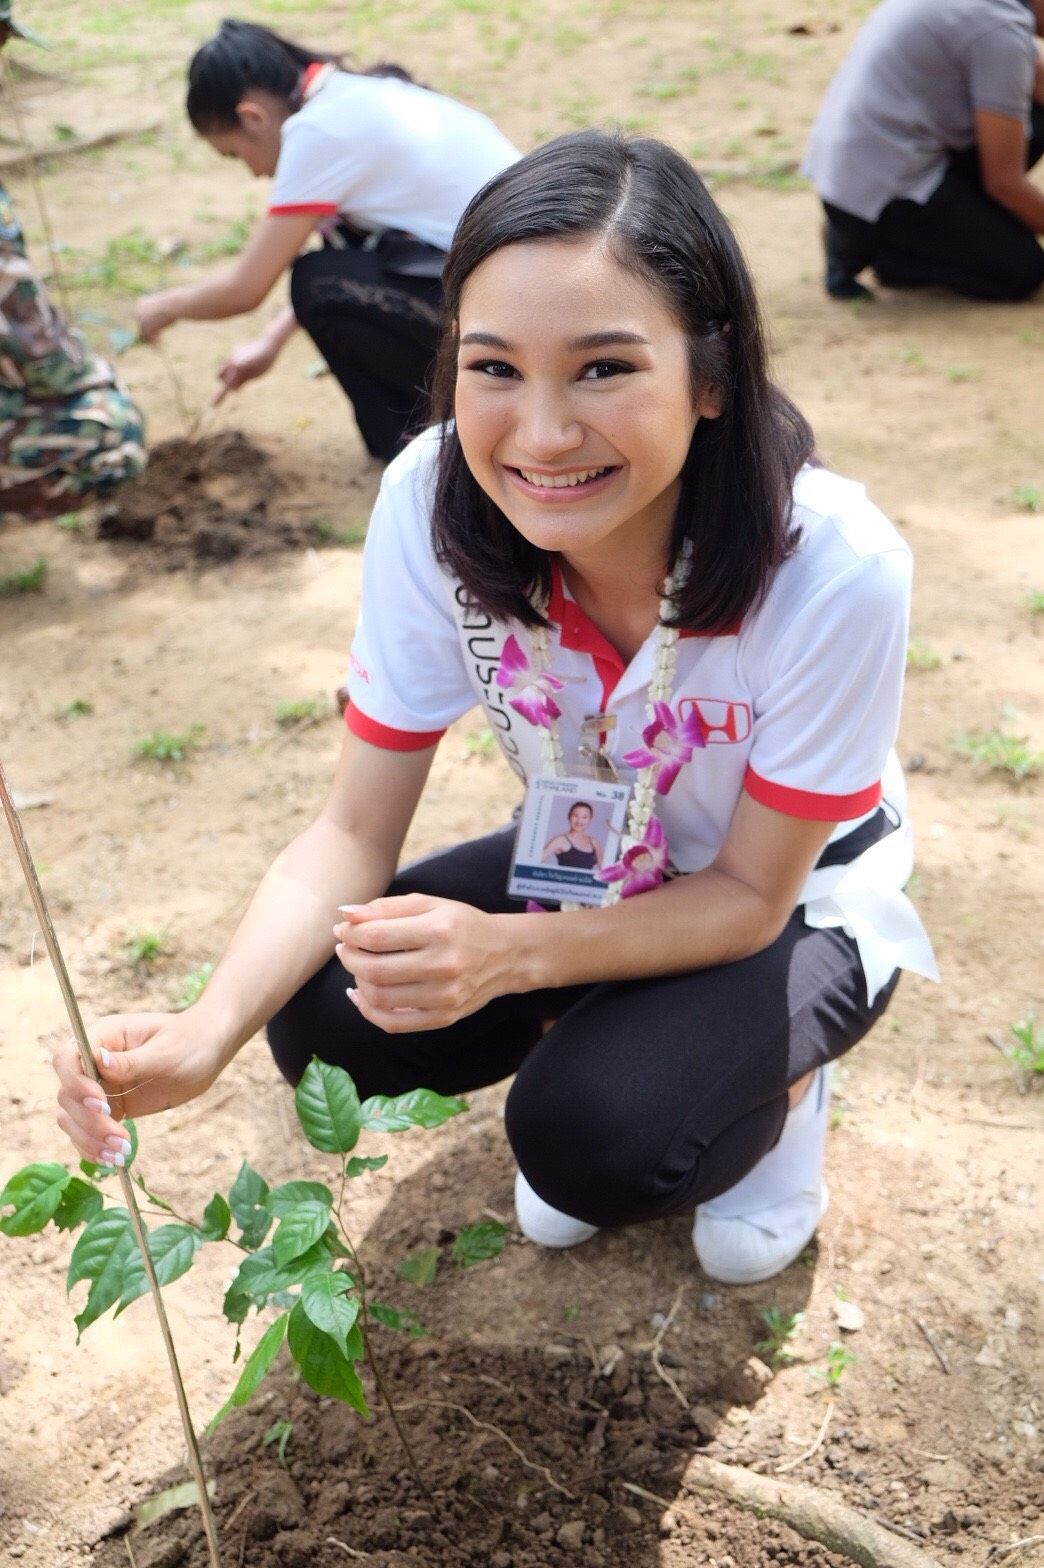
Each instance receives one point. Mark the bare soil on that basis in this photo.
(934, 1160)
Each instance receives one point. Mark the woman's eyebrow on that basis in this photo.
(589, 340)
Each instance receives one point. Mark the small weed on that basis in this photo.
(572, 1312)
(838, 1361)
(77, 709)
(1029, 1053)
(482, 743)
(71, 522)
(328, 533)
(288, 714)
(145, 947)
(735, 147)
(782, 1328)
(476, 1243)
(912, 356)
(29, 580)
(230, 243)
(163, 747)
(193, 986)
(1029, 497)
(1003, 753)
(920, 655)
(1035, 602)
(64, 133)
(962, 372)
(279, 1433)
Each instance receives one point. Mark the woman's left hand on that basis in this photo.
(154, 315)
(424, 963)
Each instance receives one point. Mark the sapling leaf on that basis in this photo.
(172, 1249)
(328, 1108)
(323, 1364)
(365, 1162)
(403, 1322)
(325, 1300)
(101, 1255)
(282, 1199)
(254, 1369)
(279, 1432)
(300, 1228)
(260, 1277)
(418, 1108)
(35, 1192)
(476, 1243)
(247, 1201)
(153, 1199)
(419, 1268)
(217, 1217)
(184, 1495)
(80, 1203)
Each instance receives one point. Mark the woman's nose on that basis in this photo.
(548, 425)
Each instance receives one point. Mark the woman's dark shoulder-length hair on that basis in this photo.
(657, 218)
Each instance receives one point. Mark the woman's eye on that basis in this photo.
(497, 368)
(602, 369)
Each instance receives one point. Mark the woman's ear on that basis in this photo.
(711, 402)
(251, 115)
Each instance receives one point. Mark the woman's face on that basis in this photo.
(257, 139)
(580, 819)
(573, 403)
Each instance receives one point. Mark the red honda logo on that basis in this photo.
(724, 723)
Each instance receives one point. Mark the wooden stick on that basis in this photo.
(934, 1346)
(87, 1058)
(1013, 1546)
(812, 1513)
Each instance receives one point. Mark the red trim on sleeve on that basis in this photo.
(320, 209)
(384, 736)
(813, 807)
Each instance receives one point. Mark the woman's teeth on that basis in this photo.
(562, 481)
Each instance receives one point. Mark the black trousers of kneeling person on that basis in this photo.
(373, 307)
(959, 239)
(645, 1097)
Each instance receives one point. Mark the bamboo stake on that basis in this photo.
(87, 1058)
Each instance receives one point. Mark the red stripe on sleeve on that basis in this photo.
(321, 209)
(803, 803)
(388, 739)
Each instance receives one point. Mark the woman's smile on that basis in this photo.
(564, 486)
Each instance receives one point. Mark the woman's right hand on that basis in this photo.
(148, 1062)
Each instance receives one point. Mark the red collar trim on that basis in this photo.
(578, 631)
(314, 77)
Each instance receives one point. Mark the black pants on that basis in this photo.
(645, 1097)
(959, 239)
(374, 315)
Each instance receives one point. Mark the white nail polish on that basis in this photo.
(107, 1159)
(119, 1159)
(93, 1104)
(125, 1146)
(106, 1057)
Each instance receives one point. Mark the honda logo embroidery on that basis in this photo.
(724, 723)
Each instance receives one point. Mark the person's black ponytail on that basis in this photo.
(243, 57)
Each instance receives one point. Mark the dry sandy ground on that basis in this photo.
(935, 1160)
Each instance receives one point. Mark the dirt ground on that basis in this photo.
(528, 1444)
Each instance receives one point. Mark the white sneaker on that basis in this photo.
(757, 1228)
(546, 1226)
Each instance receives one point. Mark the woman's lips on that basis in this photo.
(572, 484)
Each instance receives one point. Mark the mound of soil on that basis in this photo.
(523, 1455)
(204, 501)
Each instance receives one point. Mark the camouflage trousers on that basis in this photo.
(59, 453)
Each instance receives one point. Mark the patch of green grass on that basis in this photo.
(963, 372)
(193, 986)
(29, 580)
(288, 714)
(480, 743)
(838, 1361)
(912, 356)
(920, 655)
(1003, 753)
(1029, 497)
(71, 522)
(1035, 602)
(77, 709)
(329, 533)
(231, 242)
(782, 1328)
(144, 947)
(162, 746)
(1029, 1052)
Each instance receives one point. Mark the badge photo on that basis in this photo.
(569, 829)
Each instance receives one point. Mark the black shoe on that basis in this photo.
(846, 288)
(846, 255)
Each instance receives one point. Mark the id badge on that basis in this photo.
(568, 830)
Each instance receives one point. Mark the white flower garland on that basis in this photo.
(643, 795)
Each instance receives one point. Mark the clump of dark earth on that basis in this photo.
(205, 501)
(523, 1459)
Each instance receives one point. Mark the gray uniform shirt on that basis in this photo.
(907, 94)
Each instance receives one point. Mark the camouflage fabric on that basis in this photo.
(68, 427)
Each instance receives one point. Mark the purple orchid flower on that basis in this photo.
(669, 743)
(642, 866)
(533, 692)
